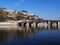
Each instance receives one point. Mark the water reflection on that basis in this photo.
(21, 32)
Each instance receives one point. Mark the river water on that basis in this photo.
(31, 36)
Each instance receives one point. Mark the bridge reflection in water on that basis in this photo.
(23, 32)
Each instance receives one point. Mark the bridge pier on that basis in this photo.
(33, 24)
(58, 25)
(27, 25)
(45, 25)
(40, 25)
(49, 26)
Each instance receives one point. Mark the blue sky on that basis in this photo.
(46, 9)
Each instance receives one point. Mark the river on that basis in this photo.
(31, 36)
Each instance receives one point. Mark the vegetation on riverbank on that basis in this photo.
(6, 14)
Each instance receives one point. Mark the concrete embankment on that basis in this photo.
(8, 25)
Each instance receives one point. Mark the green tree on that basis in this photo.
(3, 15)
(20, 16)
(24, 11)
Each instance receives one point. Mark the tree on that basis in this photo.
(3, 15)
(24, 11)
(19, 16)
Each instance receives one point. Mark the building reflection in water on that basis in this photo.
(21, 32)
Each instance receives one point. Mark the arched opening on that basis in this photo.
(24, 24)
(19, 24)
(29, 24)
(54, 25)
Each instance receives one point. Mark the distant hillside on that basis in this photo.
(6, 14)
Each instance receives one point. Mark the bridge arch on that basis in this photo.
(54, 24)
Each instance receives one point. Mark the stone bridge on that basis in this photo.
(50, 24)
